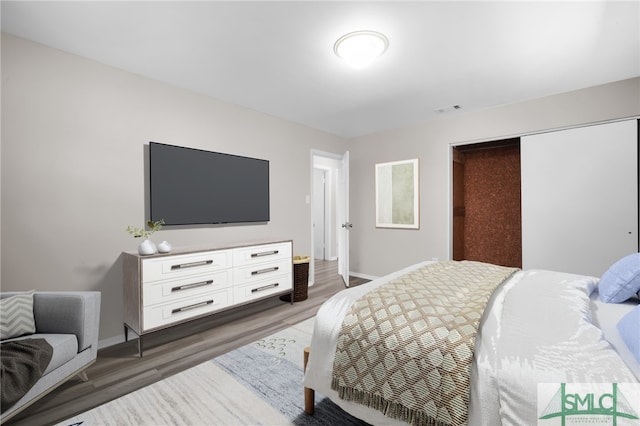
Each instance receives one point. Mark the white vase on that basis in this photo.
(146, 248)
(164, 247)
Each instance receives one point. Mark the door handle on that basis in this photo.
(347, 225)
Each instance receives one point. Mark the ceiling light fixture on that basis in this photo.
(361, 48)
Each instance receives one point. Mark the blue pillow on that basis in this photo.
(621, 281)
(629, 328)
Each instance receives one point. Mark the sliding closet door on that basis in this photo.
(580, 197)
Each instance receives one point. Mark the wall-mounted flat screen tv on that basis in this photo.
(190, 186)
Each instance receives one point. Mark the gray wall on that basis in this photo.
(73, 133)
(380, 251)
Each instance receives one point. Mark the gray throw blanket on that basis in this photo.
(23, 363)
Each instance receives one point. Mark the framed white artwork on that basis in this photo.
(397, 194)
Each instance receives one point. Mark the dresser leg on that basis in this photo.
(309, 394)
(126, 339)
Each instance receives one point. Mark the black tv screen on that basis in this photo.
(191, 186)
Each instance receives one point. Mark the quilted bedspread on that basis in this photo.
(406, 348)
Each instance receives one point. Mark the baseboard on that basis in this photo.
(365, 276)
(105, 343)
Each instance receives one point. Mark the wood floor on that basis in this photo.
(119, 370)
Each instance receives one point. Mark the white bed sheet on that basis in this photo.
(522, 334)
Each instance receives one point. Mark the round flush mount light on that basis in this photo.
(361, 48)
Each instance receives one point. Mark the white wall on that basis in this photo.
(73, 137)
(380, 251)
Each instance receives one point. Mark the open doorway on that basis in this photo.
(327, 208)
(323, 212)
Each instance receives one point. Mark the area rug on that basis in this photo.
(257, 384)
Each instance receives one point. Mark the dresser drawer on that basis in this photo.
(193, 285)
(262, 271)
(262, 253)
(170, 313)
(261, 288)
(185, 265)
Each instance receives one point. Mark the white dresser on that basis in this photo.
(163, 290)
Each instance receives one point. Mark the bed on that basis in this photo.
(540, 330)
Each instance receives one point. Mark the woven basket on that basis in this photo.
(300, 279)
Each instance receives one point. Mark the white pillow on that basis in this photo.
(621, 281)
(16, 315)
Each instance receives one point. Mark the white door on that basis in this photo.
(343, 219)
(580, 197)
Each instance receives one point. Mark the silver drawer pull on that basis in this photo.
(266, 287)
(265, 253)
(192, 285)
(264, 271)
(190, 307)
(191, 265)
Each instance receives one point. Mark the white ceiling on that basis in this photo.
(277, 57)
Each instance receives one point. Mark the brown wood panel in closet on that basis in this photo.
(492, 230)
(458, 205)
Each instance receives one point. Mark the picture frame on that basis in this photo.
(397, 194)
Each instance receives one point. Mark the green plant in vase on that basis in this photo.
(146, 247)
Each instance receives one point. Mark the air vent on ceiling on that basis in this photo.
(448, 109)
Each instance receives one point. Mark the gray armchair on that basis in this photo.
(69, 321)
